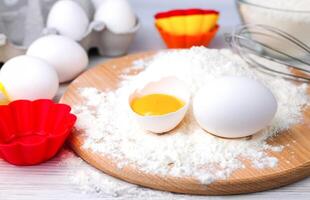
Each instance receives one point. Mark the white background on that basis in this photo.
(48, 181)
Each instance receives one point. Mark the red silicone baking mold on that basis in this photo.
(193, 11)
(32, 132)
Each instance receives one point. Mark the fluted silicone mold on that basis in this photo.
(187, 22)
(32, 132)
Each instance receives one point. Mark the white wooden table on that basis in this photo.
(49, 181)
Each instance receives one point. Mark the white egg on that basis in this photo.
(26, 77)
(117, 15)
(234, 107)
(162, 123)
(69, 19)
(97, 3)
(67, 57)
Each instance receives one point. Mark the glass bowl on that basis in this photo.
(294, 22)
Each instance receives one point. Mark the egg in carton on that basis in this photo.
(22, 22)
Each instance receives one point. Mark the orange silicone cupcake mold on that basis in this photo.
(32, 132)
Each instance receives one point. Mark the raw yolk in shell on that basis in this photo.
(156, 104)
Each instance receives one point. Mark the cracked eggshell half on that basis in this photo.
(162, 123)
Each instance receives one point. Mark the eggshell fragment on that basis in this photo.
(117, 15)
(162, 123)
(69, 19)
(234, 107)
(67, 56)
(26, 77)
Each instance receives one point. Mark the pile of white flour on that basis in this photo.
(110, 130)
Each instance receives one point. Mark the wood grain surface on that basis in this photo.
(294, 160)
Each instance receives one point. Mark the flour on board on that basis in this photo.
(188, 150)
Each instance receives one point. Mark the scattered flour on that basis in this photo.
(91, 180)
(188, 150)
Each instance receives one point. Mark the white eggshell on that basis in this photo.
(117, 15)
(67, 57)
(97, 3)
(162, 123)
(26, 77)
(234, 107)
(69, 19)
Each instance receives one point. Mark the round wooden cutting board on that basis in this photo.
(294, 160)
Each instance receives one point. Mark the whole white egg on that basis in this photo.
(69, 19)
(67, 56)
(117, 15)
(234, 107)
(97, 3)
(26, 77)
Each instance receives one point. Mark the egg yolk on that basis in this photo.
(156, 104)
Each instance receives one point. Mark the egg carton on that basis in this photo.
(23, 21)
